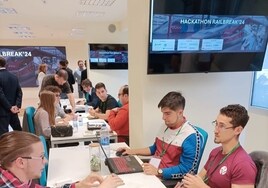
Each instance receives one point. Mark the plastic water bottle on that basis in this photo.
(105, 142)
(80, 120)
(86, 108)
(75, 123)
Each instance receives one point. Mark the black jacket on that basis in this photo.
(10, 92)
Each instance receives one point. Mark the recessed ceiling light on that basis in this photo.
(89, 13)
(4, 10)
(106, 3)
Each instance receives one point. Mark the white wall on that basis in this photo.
(205, 93)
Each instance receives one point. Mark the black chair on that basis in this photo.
(260, 158)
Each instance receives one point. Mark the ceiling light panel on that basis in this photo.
(85, 13)
(101, 3)
(4, 10)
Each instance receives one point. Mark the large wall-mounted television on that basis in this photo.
(23, 61)
(108, 56)
(197, 36)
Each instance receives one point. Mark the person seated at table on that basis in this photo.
(177, 146)
(44, 116)
(106, 103)
(228, 165)
(119, 117)
(58, 110)
(90, 93)
(22, 160)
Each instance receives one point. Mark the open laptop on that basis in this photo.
(122, 165)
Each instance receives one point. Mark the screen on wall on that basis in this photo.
(207, 36)
(108, 56)
(23, 61)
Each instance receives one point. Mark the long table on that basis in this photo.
(70, 164)
(82, 135)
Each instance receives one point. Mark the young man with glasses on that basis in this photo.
(22, 160)
(228, 165)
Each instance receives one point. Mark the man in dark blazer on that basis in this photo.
(10, 99)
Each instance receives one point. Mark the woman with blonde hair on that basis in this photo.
(44, 117)
(42, 71)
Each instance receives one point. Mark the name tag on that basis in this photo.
(155, 162)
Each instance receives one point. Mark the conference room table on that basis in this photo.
(71, 164)
(83, 135)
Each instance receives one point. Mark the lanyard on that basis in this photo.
(223, 159)
(163, 152)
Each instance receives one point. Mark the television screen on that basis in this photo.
(108, 56)
(23, 61)
(207, 36)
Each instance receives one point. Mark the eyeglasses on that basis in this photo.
(220, 126)
(36, 158)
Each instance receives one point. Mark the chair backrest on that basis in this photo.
(204, 137)
(30, 114)
(43, 178)
(260, 158)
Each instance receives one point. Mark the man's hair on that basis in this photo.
(54, 89)
(15, 144)
(80, 61)
(63, 74)
(64, 63)
(86, 83)
(2, 62)
(47, 100)
(173, 100)
(100, 85)
(125, 90)
(237, 112)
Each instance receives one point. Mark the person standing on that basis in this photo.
(10, 99)
(84, 74)
(228, 165)
(119, 117)
(77, 77)
(60, 80)
(64, 65)
(42, 71)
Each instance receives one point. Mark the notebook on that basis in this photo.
(122, 165)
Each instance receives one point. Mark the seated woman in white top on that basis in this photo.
(44, 117)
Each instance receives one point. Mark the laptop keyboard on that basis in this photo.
(121, 164)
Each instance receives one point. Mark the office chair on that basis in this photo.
(204, 135)
(29, 115)
(260, 158)
(43, 178)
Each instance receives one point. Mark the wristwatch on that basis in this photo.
(160, 172)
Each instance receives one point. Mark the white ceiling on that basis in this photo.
(62, 19)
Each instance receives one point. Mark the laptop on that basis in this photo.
(122, 165)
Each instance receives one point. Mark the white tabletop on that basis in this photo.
(82, 134)
(70, 164)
